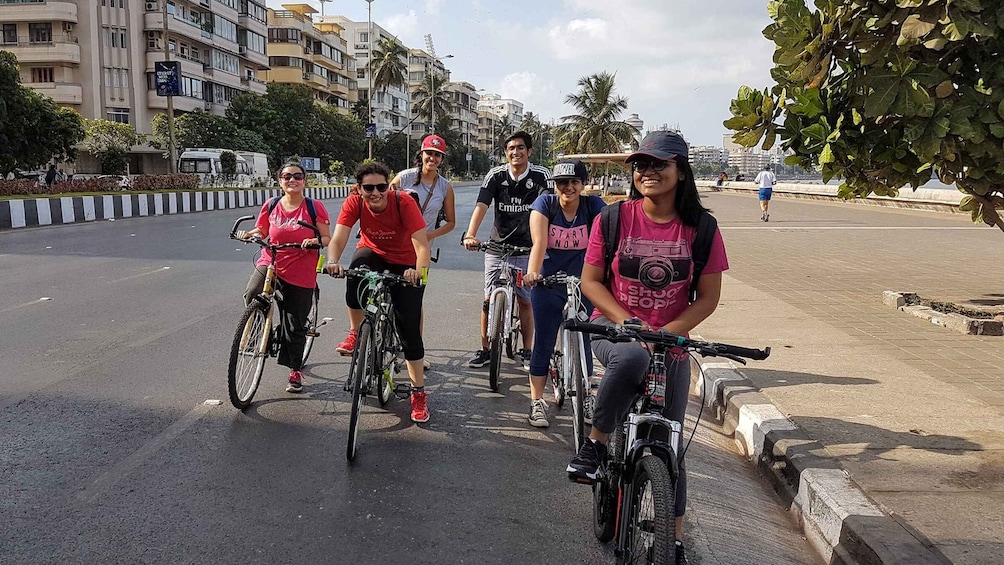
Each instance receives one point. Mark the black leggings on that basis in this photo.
(407, 301)
(293, 312)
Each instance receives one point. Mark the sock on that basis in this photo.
(417, 389)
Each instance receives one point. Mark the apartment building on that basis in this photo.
(391, 106)
(420, 66)
(707, 154)
(464, 117)
(97, 57)
(507, 109)
(301, 51)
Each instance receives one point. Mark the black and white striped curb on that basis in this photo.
(28, 212)
(835, 516)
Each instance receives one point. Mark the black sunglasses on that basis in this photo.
(640, 165)
(382, 187)
(291, 176)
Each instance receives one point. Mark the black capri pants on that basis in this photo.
(407, 301)
(293, 312)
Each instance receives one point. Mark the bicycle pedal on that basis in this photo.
(402, 391)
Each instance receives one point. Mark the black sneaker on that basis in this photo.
(585, 467)
(681, 554)
(480, 359)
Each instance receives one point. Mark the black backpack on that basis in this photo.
(706, 226)
(310, 207)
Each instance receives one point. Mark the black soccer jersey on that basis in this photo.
(512, 201)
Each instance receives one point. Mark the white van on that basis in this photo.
(205, 162)
(261, 174)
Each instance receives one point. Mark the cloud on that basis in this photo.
(432, 7)
(538, 95)
(404, 26)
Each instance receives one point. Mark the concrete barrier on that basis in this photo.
(923, 198)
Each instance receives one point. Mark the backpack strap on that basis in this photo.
(707, 225)
(310, 207)
(610, 224)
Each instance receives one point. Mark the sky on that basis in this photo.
(678, 62)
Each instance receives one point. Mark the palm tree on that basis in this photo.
(432, 89)
(388, 64)
(540, 132)
(597, 127)
(502, 129)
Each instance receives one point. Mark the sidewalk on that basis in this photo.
(910, 410)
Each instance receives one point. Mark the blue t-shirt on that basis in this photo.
(566, 241)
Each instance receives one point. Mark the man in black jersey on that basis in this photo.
(513, 188)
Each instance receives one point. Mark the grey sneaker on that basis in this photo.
(523, 358)
(538, 413)
(480, 359)
(588, 405)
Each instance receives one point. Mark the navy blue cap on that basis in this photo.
(661, 145)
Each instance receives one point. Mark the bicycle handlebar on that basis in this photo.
(703, 348)
(556, 280)
(261, 241)
(363, 272)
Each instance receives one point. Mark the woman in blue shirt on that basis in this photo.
(559, 227)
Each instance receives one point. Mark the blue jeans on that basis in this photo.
(547, 304)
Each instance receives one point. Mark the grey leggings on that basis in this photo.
(626, 365)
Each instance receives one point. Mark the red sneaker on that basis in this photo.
(295, 382)
(349, 345)
(419, 407)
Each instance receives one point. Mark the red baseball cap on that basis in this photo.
(434, 143)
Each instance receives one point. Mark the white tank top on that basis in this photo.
(430, 210)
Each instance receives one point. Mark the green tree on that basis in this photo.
(110, 142)
(228, 164)
(542, 138)
(432, 88)
(597, 127)
(337, 137)
(883, 93)
(388, 64)
(502, 128)
(194, 129)
(33, 128)
(360, 109)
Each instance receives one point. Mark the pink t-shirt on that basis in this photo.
(652, 266)
(297, 267)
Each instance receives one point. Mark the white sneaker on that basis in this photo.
(538, 413)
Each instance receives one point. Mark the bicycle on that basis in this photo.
(568, 370)
(634, 498)
(503, 313)
(257, 336)
(378, 355)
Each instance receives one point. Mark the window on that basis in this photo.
(253, 41)
(224, 28)
(120, 115)
(284, 35)
(364, 37)
(172, 45)
(171, 9)
(285, 62)
(40, 33)
(10, 33)
(360, 73)
(42, 74)
(254, 10)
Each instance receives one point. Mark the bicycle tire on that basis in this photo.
(514, 341)
(554, 372)
(311, 326)
(579, 390)
(495, 341)
(251, 337)
(651, 516)
(386, 348)
(359, 374)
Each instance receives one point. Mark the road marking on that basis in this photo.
(130, 277)
(869, 228)
(107, 479)
(19, 306)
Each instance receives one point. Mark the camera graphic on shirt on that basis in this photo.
(653, 263)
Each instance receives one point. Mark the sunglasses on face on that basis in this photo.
(641, 165)
(291, 176)
(382, 187)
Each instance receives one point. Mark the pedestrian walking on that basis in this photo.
(766, 180)
(50, 176)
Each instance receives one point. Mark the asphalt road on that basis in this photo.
(114, 339)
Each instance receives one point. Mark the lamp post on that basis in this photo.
(432, 92)
(172, 142)
(369, 70)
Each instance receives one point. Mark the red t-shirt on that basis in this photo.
(387, 232)
(297, 267)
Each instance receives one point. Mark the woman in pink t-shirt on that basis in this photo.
(392, 238)
(296, 269)
(649, 280)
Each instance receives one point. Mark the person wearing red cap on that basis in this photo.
(648, 280)
(434, 191)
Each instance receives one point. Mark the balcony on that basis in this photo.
(189, 66)
(62, 93)
(248, 22)
(38, 12)
(181, 103)
(154, 21)
(62, 49)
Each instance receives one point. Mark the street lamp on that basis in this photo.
(432, 93)
(369, 71)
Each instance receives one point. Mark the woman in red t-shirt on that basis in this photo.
(296, 269)
(392, 238)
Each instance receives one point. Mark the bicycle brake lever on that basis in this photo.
(735, 358)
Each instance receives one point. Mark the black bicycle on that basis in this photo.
(635, 496)
(257, 336)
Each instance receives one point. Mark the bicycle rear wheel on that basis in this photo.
(651, 520)
(359, 374)
(311, 326)
(578, 388)
(248, 354)
(495, 341)
(387, 349)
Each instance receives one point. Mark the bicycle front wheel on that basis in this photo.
(577, 385)
(495, 340)
(651, 520)
(359, 374)
(387, 349)
(248, 354)
(311, 326)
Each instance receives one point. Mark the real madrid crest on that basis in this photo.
(529, 184)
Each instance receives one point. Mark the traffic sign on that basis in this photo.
(469, 157)
(370, 130)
